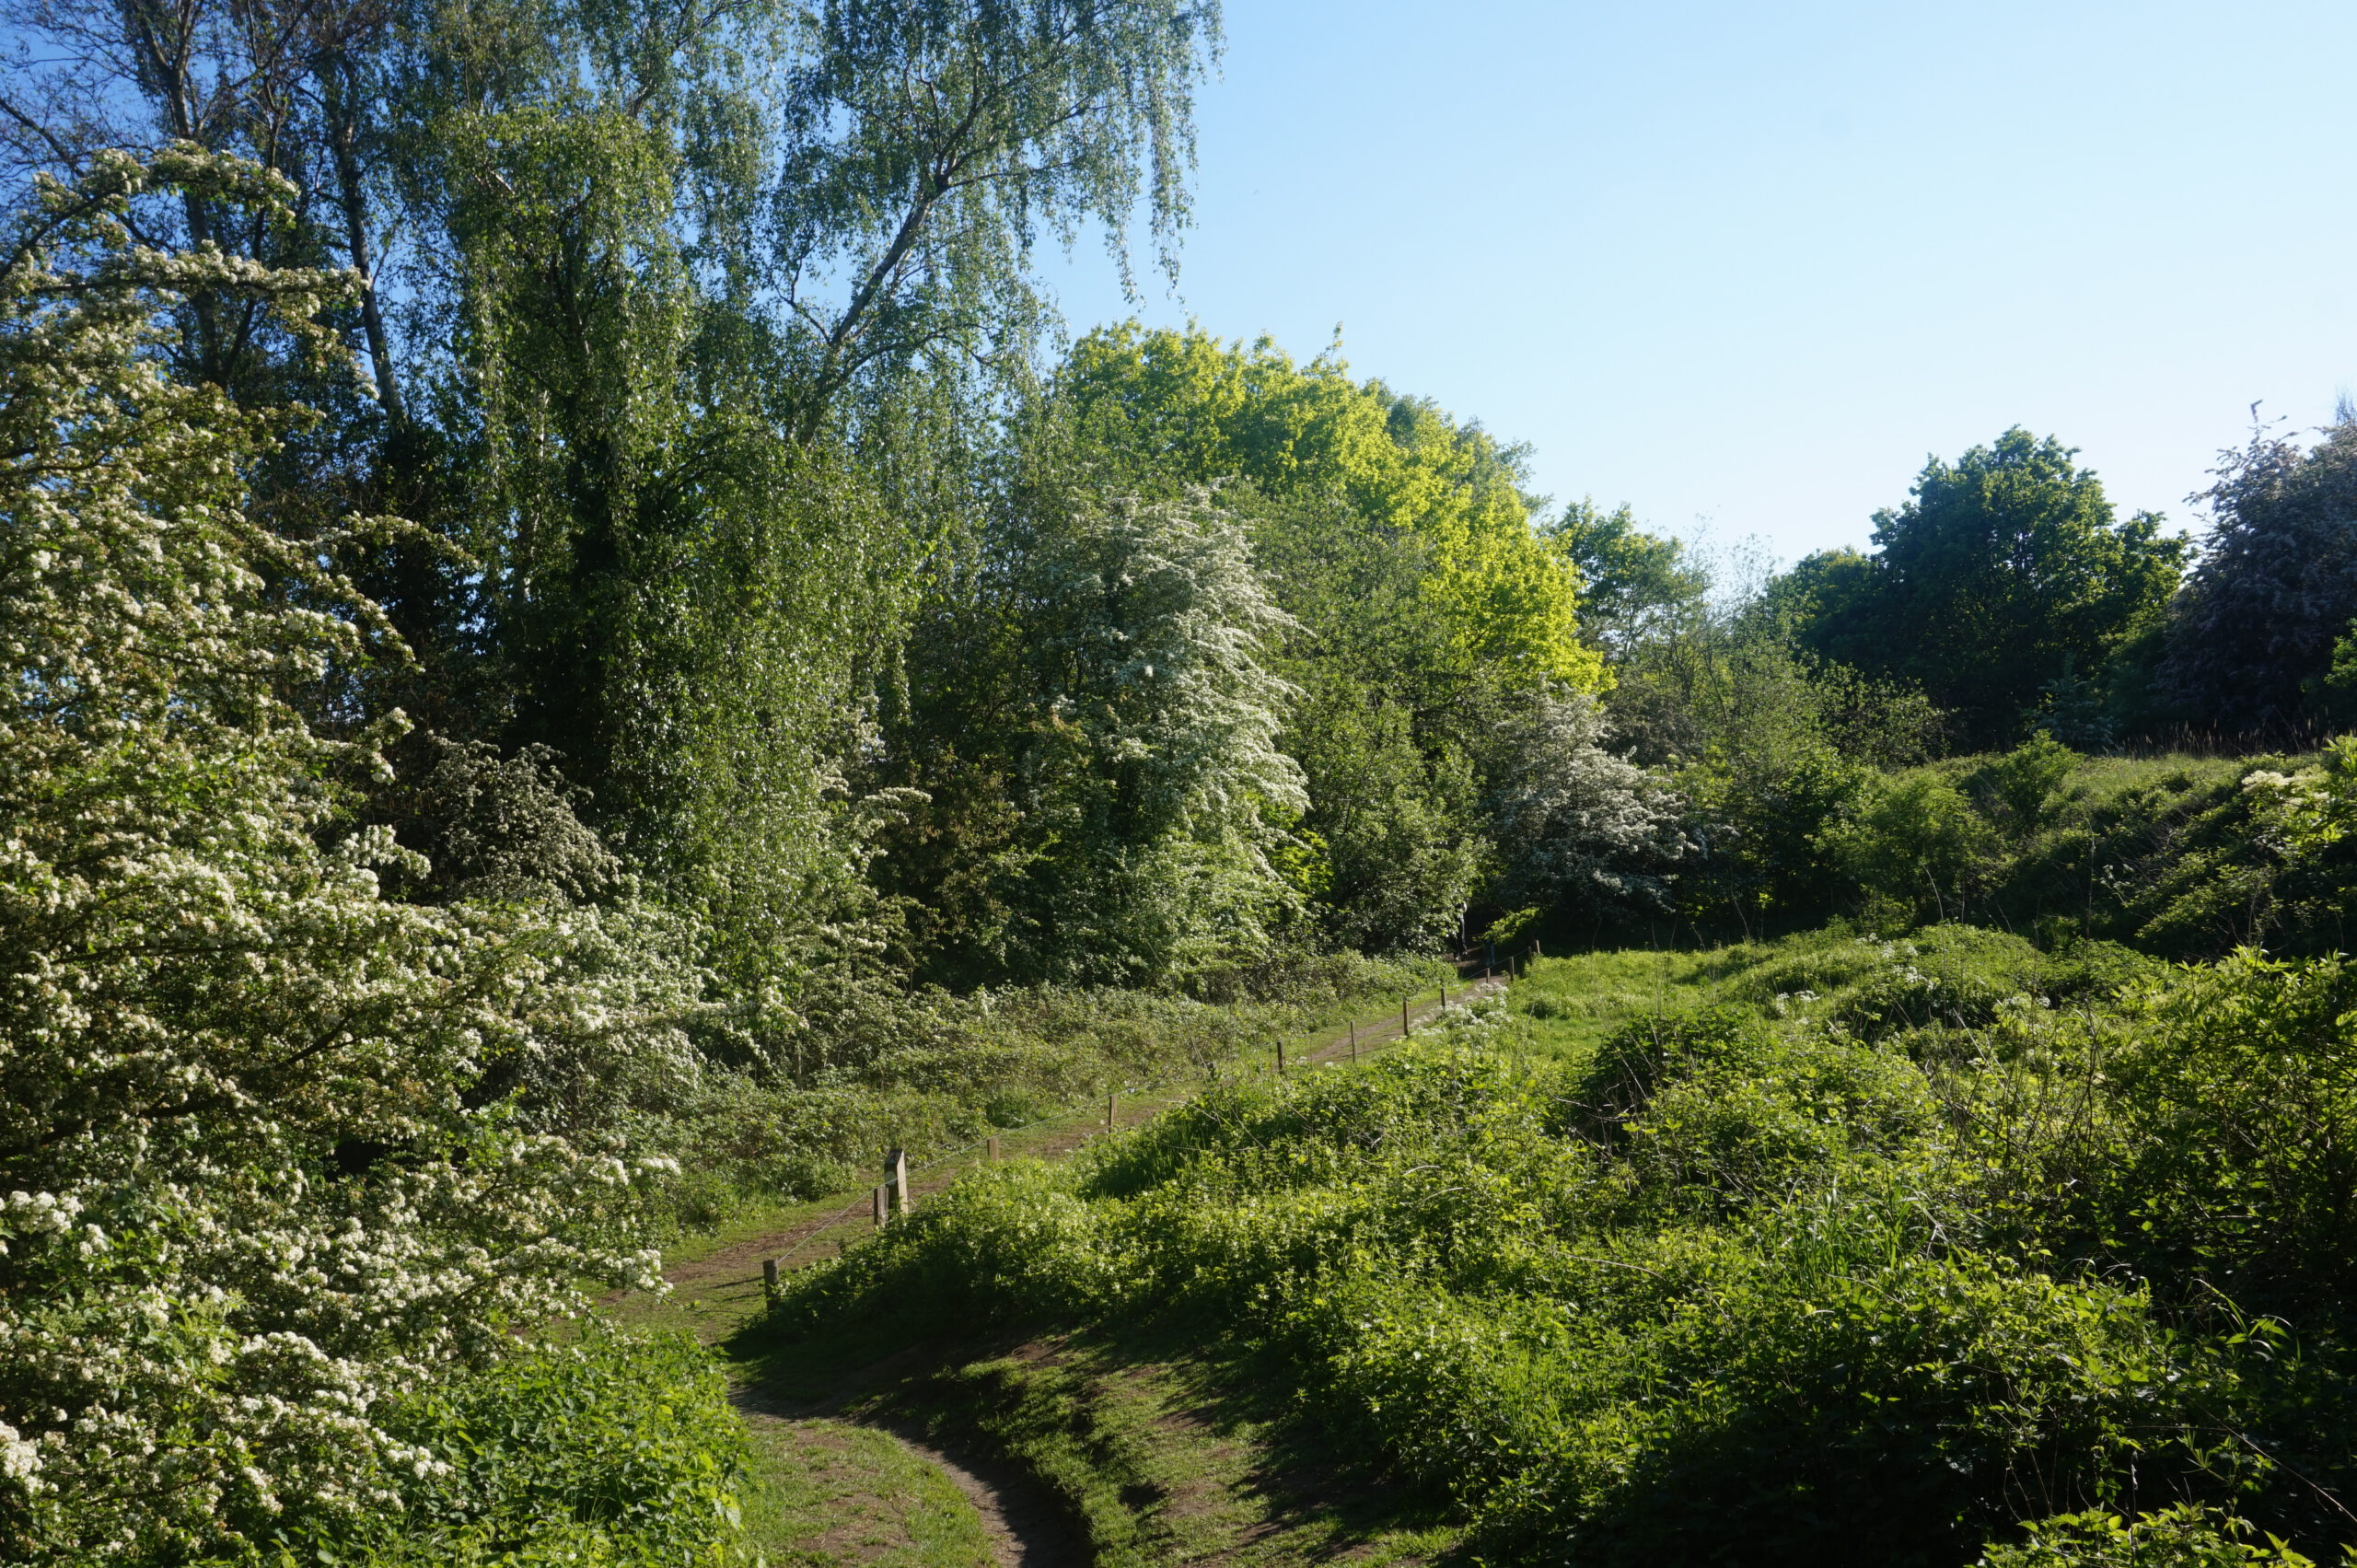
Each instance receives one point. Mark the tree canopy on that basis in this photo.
(1191, 405)
(2006, 572)
(2251, 649)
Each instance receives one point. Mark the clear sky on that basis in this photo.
(1745, 265)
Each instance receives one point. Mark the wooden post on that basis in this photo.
(1536, 951)
(883, 1209)
(1110, 1098)
(768, 1280)
(1281, 1056)
(990, 1149)
(1354, 1039)
(895, 1178)
(1403, 1018)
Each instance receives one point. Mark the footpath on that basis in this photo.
(837, 1489)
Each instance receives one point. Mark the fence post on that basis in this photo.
(990, 1149)
(896, 1176)
(1281, 1056)
(1110, 1098)
(769, 1281)
(1403, 1018)
(1354, 1039)
(883, 1212)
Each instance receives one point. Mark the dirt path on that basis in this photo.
(732, 1276)
(1024, 1528)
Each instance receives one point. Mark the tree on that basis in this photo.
(1101, 715)
(1581, 833)
(1387, 725)
(2251, 647)
(2006, 570)
(669, 304)
(1634, 584)
(926, 140)
(1204, 411)
(277, 1147)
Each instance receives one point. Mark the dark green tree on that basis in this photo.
(2251, 649)
(2008, 569)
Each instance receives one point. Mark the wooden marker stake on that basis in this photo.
(1108, 1109)
(990, 1150)
(1354, 1039)
(1403, 1018)
(895, 1178)
(1281, 1056)
(883, 1209)
(768, 1280)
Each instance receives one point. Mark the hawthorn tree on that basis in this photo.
(274, 1146)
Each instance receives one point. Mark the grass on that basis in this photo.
(1165, 1456)
(1149, 1447)
(1570, 1005)
(1149, 1455)
(829, 1492)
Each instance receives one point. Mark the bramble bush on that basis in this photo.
(1895, 1252)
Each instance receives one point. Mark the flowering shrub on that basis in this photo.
(276, 1150)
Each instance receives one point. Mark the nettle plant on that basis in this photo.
(274, 1148)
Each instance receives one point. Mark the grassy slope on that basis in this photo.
(1152, 1455)
(1159, 1451)
(1172, 1447)
(1159, 1448)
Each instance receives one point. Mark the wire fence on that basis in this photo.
(770, 1267)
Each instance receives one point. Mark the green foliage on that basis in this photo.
(2023, 781)
(2224, 1155)
(2179, 856)
(1203, 411)
(1635, 586)
(2004, 573)
(1957, 976)
(277, 1147)
(1768, 745)
(1113, 694)
(1387, 725)
(606, 1450)
(2187, 1536)
(1750, 1257)
(1913, 843)
(2275, 588)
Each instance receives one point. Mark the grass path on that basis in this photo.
(839, 1478)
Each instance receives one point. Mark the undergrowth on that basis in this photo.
(1838, 1248)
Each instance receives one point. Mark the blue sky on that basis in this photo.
(1743, 266)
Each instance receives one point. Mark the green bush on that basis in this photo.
(2018, 785)
(1914, 844)
(2186, 1535)
(612, 1449)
